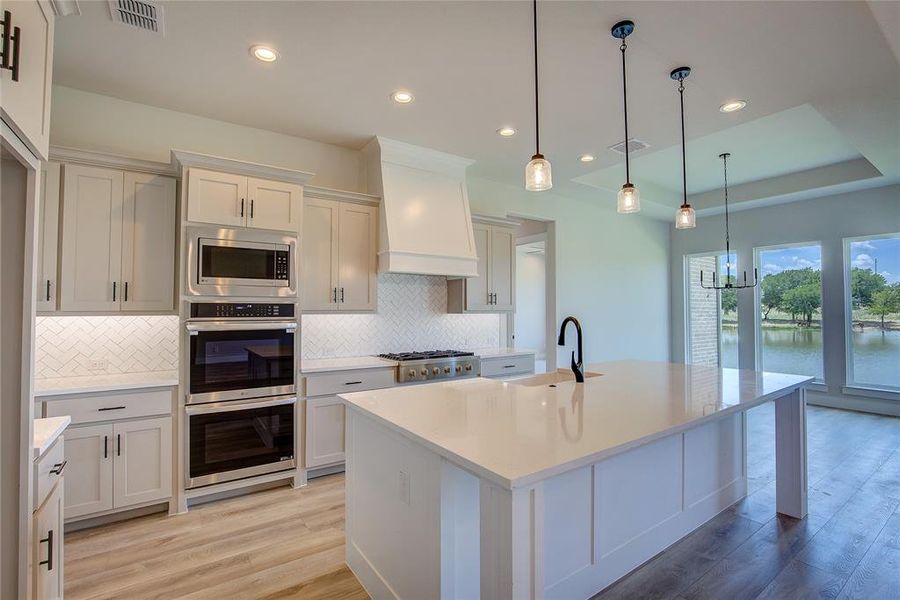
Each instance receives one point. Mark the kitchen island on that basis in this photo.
(549, 488)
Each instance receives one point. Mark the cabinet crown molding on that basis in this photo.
(66, 154)
(311, 191)
(186, 159)
(489, 220)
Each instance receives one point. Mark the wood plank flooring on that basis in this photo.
(285, 543)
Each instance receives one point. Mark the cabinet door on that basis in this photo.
(502, 269)
(215, 197)
(274, 205)
(89, 472)
(477, 288)
(148, 243)
(324, 431)
(48, 229)
(357, 258)
(143, 463)
(91, 239)
(26, 102)
(319, 254)
(47, 564)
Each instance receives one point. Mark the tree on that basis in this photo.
(863, 284)
(886, 301)
(729, 300)
(776, 285)
(803, 300)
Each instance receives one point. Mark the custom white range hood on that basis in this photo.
(426, 227)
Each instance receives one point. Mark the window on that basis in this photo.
(789, 301)
(872, 282)
(711, 323)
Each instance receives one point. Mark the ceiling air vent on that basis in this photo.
(634, 145)
(138, 13)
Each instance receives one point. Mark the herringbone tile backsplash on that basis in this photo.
(412, 315)
(67, 346)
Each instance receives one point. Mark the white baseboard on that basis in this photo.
(878, 406)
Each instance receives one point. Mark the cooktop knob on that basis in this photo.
(459, 368)
(412, 372)
(468, 367)
(424, 372)
(446, 369)
(435, 370)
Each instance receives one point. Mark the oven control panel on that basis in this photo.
(232, 310)
(282, 258)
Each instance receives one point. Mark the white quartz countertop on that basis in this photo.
(103, 383)
(515, 434)
(46, 431)
(501, 352)
(323, 365)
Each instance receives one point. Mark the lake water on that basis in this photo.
(876, 353)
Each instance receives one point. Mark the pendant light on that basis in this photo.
(685, 218)
(729, 284)
(629, 198)
(537, 172)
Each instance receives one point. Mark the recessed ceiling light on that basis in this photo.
(732, 106)
(402, 97)
(586, 157)
(506, 131)
(264, 53)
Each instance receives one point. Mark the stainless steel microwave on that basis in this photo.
(241, 263)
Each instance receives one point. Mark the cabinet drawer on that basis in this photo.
(48, 471)
(108, 407)
(510, 365)
(349, 381)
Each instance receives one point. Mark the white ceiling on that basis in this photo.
(821, 80)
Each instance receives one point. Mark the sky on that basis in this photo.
(863, 254)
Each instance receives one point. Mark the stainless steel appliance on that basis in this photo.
(241, 263)
(240, 350)
(238, 439)
(434, 364)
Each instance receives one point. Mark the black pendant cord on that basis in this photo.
(683, 144)
(625, 102)
(537, 121)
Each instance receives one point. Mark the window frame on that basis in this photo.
(757, 303)
(847, 268)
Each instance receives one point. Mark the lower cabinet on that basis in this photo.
(117, 465)
(324, 431)
(47, 564)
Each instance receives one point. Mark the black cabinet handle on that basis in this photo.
(48, 290)
(242, 207)
(126, 292)
(49, 542)
(4, 53)
(353, 383)
(335, 295)
(105, 446)
(118, 444)
(105, 408)
(251, 208)
(58, 468)
(342, 294)
(509, 366)
(114, 291)
(14, 35)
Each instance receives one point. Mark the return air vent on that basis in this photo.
(138, 13)
(634, 145)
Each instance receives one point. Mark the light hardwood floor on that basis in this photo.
(286, 543)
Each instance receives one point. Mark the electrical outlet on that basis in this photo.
(404, 487)
(98, 364)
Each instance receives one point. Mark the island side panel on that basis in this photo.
(790, 454)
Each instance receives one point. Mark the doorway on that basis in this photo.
(533, 323)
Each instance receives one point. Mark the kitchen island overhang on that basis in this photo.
(492, 489)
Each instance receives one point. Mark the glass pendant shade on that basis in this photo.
(537, 174)
(629, 199)
(685, 218)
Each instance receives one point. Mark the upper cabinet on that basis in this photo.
(25, 83)
(241, 201)
(339, 255)
(48, 244)
(493, 289)
(118, 241)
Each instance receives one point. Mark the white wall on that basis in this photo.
(612, 270)
(827, 220)
(531, 301)
(105, 124)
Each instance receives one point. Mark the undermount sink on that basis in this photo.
(551, 378)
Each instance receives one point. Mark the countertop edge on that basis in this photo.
(48, 439)
(103, 387)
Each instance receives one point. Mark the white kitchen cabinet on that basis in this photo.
(324, 431)
(47, 545)
(241, 201)
(148, 243)
(118, 238)
(143, 461)
(48, 245)
(339, 269)
(89, 478)
(26, 102)
(493, 290)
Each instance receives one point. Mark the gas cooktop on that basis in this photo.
(434, 364)
(427, 354)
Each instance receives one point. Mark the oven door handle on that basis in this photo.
(234, 405)
(288, 326)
